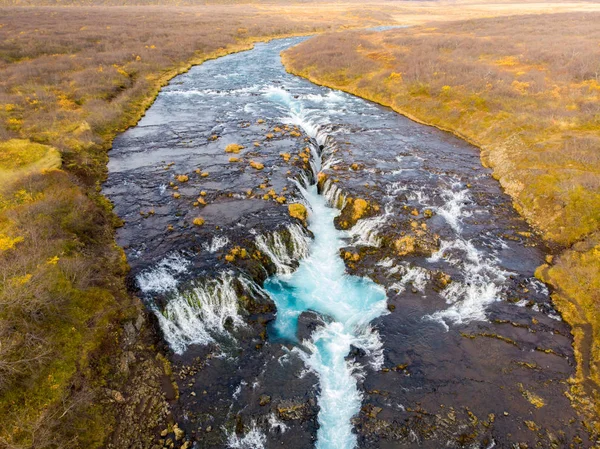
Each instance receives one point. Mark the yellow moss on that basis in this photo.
(234, 159)
(533, 398)
(7, 242)
(405, 245)
(204, 174)
(359, 208)
(256, 165)
(298, 211)
(182, 178)
(198, 221)
(233, 148)
(176, 195)
(354, 257)
(280, 199)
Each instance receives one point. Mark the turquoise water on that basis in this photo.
(348, 303)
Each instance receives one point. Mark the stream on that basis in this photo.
(402, 312)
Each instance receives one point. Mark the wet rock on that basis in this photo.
(293, 410)
(356, 354)
(308, 322)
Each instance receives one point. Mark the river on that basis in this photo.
(418, 325)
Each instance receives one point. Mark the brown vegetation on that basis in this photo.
(526, 90)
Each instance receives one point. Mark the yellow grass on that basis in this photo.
(20, 157)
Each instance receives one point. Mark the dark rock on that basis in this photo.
(308, 322)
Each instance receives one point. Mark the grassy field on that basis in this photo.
(526, 90)
(73, 77)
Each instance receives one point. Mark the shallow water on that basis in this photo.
(396, 358)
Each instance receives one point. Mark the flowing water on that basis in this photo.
(420, 325)
(349, 303)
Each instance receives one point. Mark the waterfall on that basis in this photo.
(321, 284)
(284, 257)
(333, 194)
(364, 232)
(199, 314)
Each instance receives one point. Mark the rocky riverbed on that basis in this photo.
(209, 186)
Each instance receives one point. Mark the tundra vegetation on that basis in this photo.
(73, 78)
(526, 90)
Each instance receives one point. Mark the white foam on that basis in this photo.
(453, 209)
(199, 314)
(417, 276)
(480, 286)
(162, 277)
(276, 425)
(217, 243)
(253, 439)
(388, 262)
